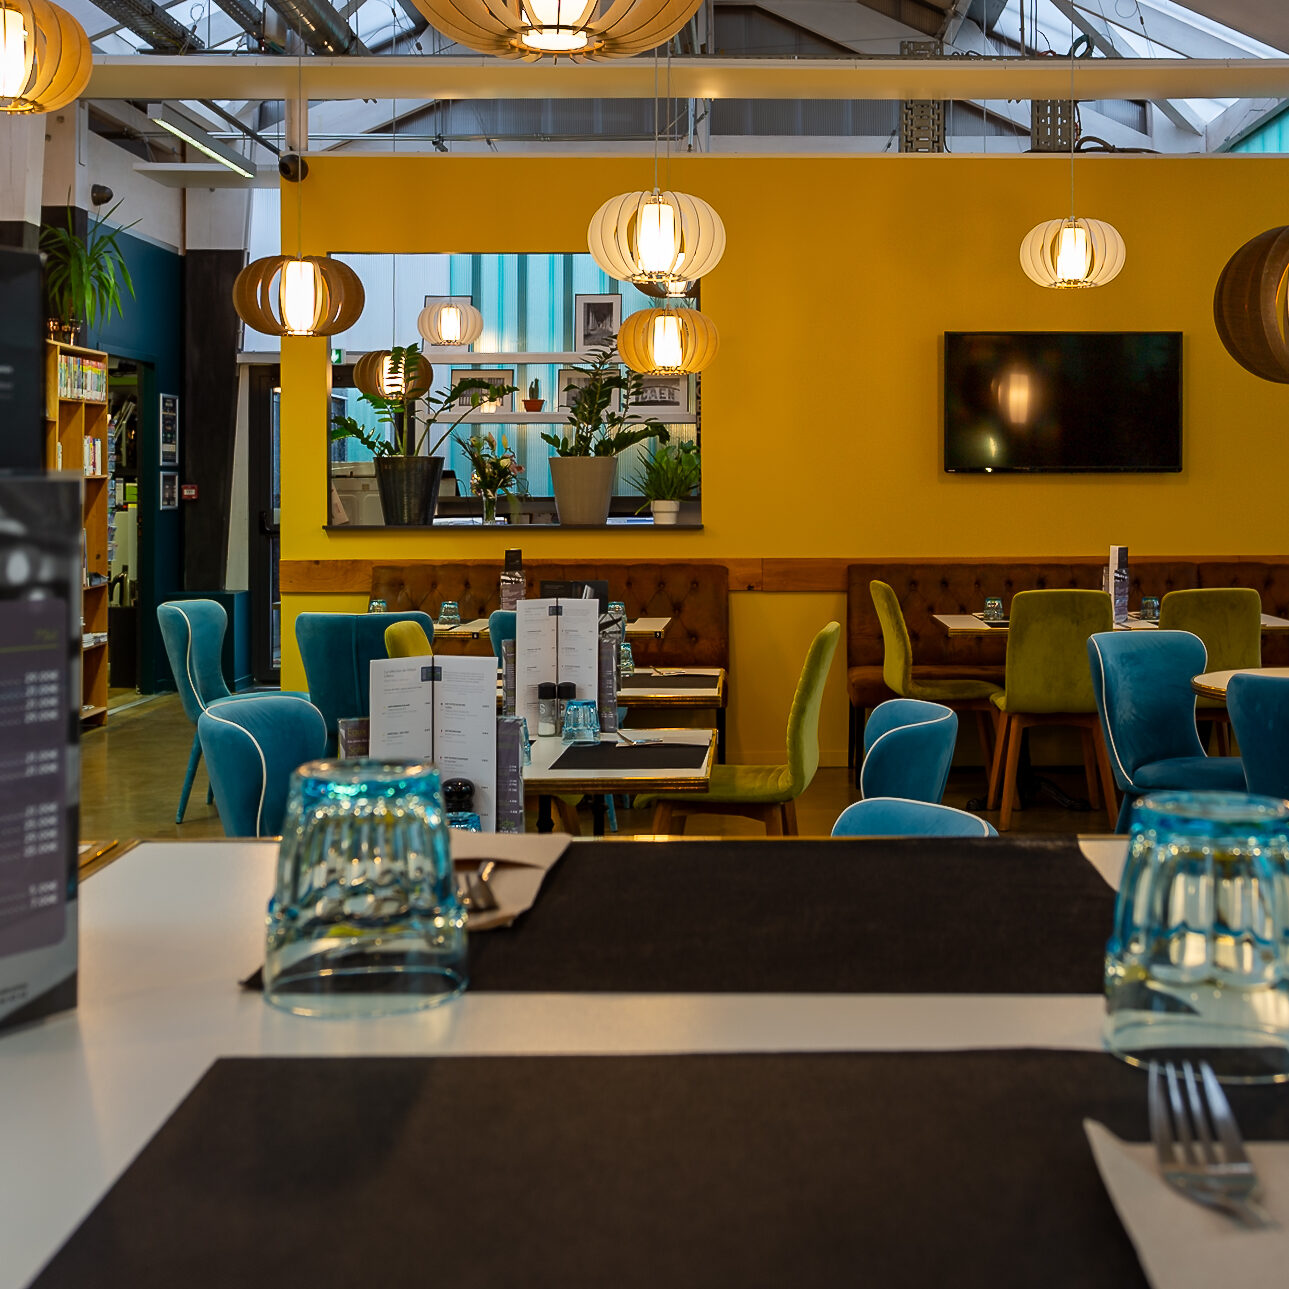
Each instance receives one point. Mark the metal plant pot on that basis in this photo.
(583, 488)
(409, 488)
(665, 512)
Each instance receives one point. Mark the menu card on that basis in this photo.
(40, 697)
(1117, 581)
(556, 640)
(441, 709)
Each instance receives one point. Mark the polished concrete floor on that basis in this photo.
(132, 770)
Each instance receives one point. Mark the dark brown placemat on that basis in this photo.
(643, 680)
(628, 756)
(899, 915)
(899, 1170)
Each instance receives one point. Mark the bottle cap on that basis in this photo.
(566, 689)
(514, 560)
(458, 794)
(546, 689)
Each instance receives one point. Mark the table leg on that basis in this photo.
(720, 735)
(597, 814)
(545, 823)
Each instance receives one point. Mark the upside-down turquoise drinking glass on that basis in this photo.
(364, 919)
(1197, 966)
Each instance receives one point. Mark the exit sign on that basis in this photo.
(337, 357)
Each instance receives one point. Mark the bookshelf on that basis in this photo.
(77, 438)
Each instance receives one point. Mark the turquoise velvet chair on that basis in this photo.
(193, 634)
(908, 746)
(896, 817)
(251, 748)
(337, 649)
(1142, 684)
(1259, 707)
(501, 627)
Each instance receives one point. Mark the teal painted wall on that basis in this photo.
(1270, 136)
(151, 332)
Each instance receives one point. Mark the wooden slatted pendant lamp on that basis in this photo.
(1249, 305)
(656, 237)
(447, 322)
(45, 56)
(1072, 253)
(307, 295)
(580, 30)
(665, 342)
(377, 374)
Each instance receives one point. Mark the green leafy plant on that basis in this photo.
(595, 430)
(85, 279)
(671, 474)
(397, 413)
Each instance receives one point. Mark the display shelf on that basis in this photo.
(76, 432)
(561, 417)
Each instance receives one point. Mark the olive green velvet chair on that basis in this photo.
(1049, 682)
(1228, 619)
(407, 640)
(765, 792)
(964, 694)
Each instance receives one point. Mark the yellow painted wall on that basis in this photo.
(822, 412)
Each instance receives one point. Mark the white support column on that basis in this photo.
(22, 167)
(67, 176)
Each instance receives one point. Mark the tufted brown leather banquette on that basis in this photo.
(927, 587)
(694, 596)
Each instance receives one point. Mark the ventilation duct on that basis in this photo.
(320, 26)
(245, 15)
(162, 32)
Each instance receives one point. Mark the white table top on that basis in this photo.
(639, 629)
(967, 624)
(541, 777)
(168, 929)
(471, 630)
(646, 628)
(1212, 684)
(658, 689)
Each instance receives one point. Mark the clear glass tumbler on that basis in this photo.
(1149, 608)
(1197, 966)
(364, 919)
(993, 608)
(581, 721)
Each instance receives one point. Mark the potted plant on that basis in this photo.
(83, 279)
(582, 467)
(534, 401)
(669, 476)
(492, 472)
(408, 478)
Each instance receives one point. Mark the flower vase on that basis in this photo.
(489, 507)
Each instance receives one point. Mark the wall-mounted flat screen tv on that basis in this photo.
(1062, 402)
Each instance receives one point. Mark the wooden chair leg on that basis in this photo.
(662, 813)
(1016, 732)
(995, 771)
(1223, 738)
(568, 820)
(1107, 778)
(1090, 766)
(773, 818)
(789, 813)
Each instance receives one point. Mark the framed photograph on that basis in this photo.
(496, 377)
(169, 429)
(664, 396)
(577, 377)
(596, 319)
(169, 490)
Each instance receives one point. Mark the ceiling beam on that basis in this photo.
(257, 77)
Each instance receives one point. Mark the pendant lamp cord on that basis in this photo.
(655, 120)
(1071, 115)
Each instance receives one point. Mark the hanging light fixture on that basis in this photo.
(576, 29)
(45, 56)
(378, 375)
(663, 238)
(450, 322)
(667, 342)
(1070, 253)
(1249, 306)
(313, 294)
(677, 289)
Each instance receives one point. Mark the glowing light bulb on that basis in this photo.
(16, 53)
(1073, 257)
(545, 33)
(667, 351)
(298, 297)
(657, 238)
(450, 324)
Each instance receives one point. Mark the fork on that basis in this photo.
(1190, 1160)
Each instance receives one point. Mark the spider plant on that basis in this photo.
(85, 279)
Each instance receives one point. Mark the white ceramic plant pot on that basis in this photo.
(583, 488)
(665, 512)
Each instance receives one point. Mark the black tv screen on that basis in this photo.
(1062, 402)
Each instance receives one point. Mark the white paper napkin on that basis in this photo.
(522, 859)
(1182, 1245)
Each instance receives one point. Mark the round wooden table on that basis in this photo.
(1212, 684)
